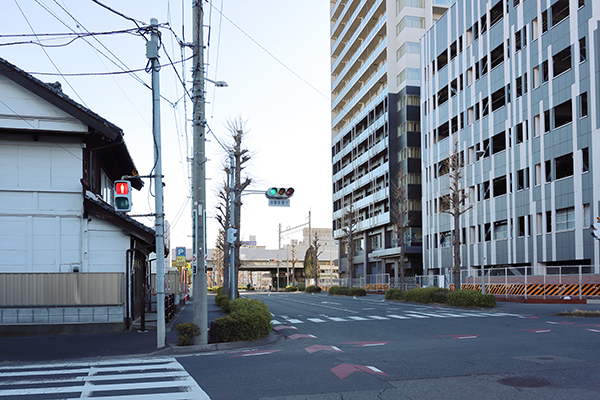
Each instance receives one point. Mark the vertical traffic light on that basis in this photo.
(122, 196)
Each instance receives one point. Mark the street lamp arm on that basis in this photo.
(217, 83)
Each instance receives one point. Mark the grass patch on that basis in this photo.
(578, 313)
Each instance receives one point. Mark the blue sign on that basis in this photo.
(180, 251)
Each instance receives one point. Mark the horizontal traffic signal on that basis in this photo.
(279, 193)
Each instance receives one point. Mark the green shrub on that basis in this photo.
(470, 298)
(291, 289)
(357, 291)
(313, 289)
(247, 320)
(394, 294)
(219, 298)
(301, 288)
(420, 295)
(187, 331)
(339, 290)
(439, 296)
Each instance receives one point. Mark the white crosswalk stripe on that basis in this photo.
(407, 315)
(150, 378)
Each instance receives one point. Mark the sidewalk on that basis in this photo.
(133, 342)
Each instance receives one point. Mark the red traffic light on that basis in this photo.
(122, 188)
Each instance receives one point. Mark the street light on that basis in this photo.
(217, 83)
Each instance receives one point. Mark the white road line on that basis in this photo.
(416, 315)
(358, 318)
(294, 321)
(377, 317)
(316, 320)
(337, 319)
(398, 316)
(275, 322)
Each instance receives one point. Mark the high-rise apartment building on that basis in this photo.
(375, 124)
(515, 85)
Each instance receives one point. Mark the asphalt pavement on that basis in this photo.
(135, 342)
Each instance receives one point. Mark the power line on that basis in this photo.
(47, 55)
(269, 53)
(135, 21)
(129, 71)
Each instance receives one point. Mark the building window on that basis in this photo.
(500, 186)
(536, 126)
(539, 223)
(445, 239)
(499, 142)
(375, 241)
(548, 169)
(496, 13)
(498, 99)
(583, 105)
(497, 56)
(582, 50)
(560, 11)
(565, 219)
(546, 121)
(408, 48)
(534, 29)
(500, 230)
(563, 166)
(538, 174)
(545, 71)
(563, 114)
(400, 4)
(521, 220)
(410, 22)
(585, 159)
(561, 61)
(536, 77)
(548, 221)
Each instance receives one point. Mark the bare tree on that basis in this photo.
(294, 260)
(242, 157)
(219, 258)
(316, 253)
(349, 226)
(223, 217)
(402, 220)
(455, 203)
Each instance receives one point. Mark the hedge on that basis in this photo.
(394, 294)
(291, 289)
(470, 298)
(339, 290)
(313, 289)
(420, 295)
(247, 320)
(357, 291)
(187, 331)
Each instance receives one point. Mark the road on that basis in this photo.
(362, 348)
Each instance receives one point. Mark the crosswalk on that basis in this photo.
(284, 319)
(134, 378)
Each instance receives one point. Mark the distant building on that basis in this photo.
(516, 85)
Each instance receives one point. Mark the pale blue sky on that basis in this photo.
(287, 119)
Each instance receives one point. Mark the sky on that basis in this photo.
(273, 54)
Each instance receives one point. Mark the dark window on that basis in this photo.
(544, 21)
(477, 70)
(522, 225)
(444, 167)
(483, 23)
(498, 99)
(443, 131)
(520, 179)
(582, 50)
(461, 82)
(475, 31)
(561, 61)
(486, 148)
(525, 82)
(545, 71)
(442, 60)
(515, 3)
(548, 221)
(560, 11)
(585, 159)
(497, 56)
(477, 115)
(485, 107)
(524, 34)
(519, 82)
(547, 121)
(563, 114)
(442, 95)
(548, 167)
(453, 50)
(517, 41)
(488, 232)
(484, 65)
(496, 13)
(564, 166)
(519, 132)
(454, 87)
(583, 105)
(486, 190)
(455, 124)
(500, 186)
(499, 142)
(460, 44)
(462, 120)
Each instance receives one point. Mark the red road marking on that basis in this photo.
(367, 344)
(255, 353)
(280, 327)
(301, 335)
(318, 347)
(344, 370)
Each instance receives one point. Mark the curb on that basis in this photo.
(173, 349)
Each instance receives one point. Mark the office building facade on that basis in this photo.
(375, 78)
(512, 88)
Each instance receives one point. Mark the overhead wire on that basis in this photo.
(48, 56)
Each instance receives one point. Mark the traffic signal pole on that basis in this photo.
(200, 313)
(152, 54)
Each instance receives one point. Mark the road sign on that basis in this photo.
(279, 203)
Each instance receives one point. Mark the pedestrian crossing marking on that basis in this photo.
(398, 316)
(110, 379)
(377, 317)
(358, 318)
(337, 319)
(294, 321)
(316, 320)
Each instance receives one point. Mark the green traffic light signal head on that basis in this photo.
(273, 191)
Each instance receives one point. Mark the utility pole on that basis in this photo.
(232, 199)
(199, 177)
(152, 54)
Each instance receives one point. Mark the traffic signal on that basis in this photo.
(279, 193)
(122, 196)
(231, 235)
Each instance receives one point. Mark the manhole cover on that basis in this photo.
(523, 382)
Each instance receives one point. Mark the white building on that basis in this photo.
(68, 261)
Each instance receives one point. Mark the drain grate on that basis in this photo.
(523, 382)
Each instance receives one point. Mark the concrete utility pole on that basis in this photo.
(199, 177)
(232, 228)
(152, 54)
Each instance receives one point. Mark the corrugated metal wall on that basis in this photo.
(18, 290)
